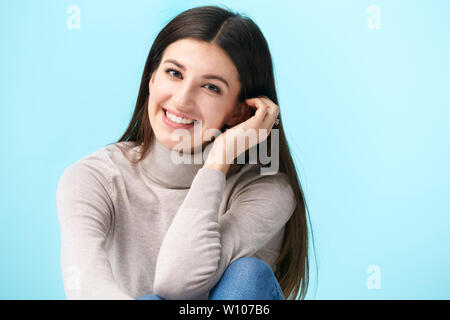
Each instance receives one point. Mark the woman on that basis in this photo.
(138, 223)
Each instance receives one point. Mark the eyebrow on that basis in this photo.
(206, 76)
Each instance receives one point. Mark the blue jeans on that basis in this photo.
(246, 278)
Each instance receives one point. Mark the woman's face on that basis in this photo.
(197, 80)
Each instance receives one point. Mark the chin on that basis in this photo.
(165, 140)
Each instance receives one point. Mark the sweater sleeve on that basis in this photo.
(199, 245)
(85, 211)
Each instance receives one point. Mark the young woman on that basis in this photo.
(136, 223)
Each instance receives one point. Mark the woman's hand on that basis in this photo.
(252, 131)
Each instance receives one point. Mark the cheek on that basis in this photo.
(213, 119)
(159, 87)
(158, 95)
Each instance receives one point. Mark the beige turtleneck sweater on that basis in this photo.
(160, 227)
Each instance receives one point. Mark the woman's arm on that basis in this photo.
(199, 245)
(84, 212)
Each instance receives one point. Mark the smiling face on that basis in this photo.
(195, 80)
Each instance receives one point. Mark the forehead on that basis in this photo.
(202, 57)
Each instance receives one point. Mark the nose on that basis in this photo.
(183, 98)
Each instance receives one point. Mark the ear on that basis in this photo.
(152, 80)
(240, 113)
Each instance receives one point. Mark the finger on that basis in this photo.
(260, 105)
(271, 114)
(273, 107)
(269, 117)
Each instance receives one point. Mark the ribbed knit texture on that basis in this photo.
(161, 227)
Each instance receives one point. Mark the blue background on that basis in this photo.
(366, 112)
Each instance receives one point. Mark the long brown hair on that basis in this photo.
(245, 44)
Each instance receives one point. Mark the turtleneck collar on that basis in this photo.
(164, 166)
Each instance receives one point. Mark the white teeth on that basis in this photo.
(177, 119)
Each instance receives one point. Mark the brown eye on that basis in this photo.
(214, 88)
(177, 74)
(174, 74)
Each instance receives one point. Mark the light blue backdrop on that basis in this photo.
(364, 94)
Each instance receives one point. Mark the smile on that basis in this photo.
(176, 122)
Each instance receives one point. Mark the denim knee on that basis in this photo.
(248, 278)
(251, 265)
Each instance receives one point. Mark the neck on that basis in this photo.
(172, 168)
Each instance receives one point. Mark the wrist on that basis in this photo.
(216, 160)
(222, 167)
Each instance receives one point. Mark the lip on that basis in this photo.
(181, 115)
(174, 125)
